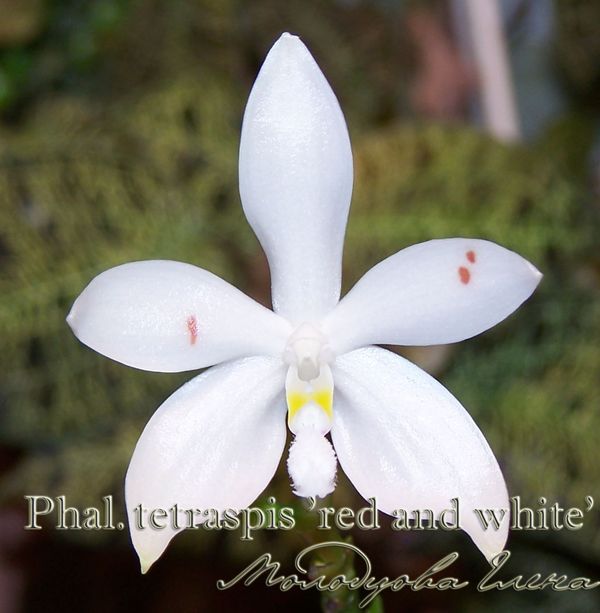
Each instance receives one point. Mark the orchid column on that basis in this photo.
(399, 435)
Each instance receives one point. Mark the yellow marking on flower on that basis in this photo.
(318, 391)
(295, 401)
(323, 397)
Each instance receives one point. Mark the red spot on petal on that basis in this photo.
(464, 274)
(192, 325)
(471, 256)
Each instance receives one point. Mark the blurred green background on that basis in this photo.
(119, 129)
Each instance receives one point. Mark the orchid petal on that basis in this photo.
(214, 444)
(296, 179)
(169, 316)
(437, 292)
(402, 438)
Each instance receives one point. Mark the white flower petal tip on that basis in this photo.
(536, 274)
(149, 550)
(490, 541)
(493, 546)
(145, 565)
(402, 438)
(288, 44)
(168, 316)
(295, 170)
(437, 292)
(312, 465)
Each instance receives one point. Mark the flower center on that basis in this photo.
(309, 394)
(309, 383)
(307, 349)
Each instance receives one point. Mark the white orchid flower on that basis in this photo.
(399, 435)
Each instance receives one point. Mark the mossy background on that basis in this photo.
(118, 141)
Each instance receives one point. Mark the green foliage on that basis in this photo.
(44, 43)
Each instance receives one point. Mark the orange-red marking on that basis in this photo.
(464, 274)
(192, 325)
(471, 256)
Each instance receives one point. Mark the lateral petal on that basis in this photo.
(296, 179)
(402, 438)
(437, 292)
(214, 444)
(168, 316)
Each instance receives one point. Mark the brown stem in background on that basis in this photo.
(444, 81)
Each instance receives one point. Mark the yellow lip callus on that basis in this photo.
(300, 393)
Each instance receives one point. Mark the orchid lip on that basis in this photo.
(309, 394)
